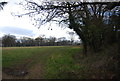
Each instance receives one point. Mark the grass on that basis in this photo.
(60, 62)
(15, 56)
(51, 58)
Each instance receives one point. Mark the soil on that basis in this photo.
(35, 72)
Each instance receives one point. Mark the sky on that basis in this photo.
(23, 26)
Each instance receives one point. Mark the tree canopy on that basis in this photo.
(92, 21)
(8, 40)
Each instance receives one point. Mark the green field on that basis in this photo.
(54, 60)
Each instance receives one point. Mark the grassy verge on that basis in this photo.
(69, 63)
(61, 64)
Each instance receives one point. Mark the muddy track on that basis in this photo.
(35, 72)
(31, 68)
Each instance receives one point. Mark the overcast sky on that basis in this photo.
(23, 26)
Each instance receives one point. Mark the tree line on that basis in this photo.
(96, 23)
(12, 41)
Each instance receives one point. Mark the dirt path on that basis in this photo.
(35, 72)
(34, 67)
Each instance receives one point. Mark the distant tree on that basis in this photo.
(26, 41)
(63, 41)
(8, 40)
(72, 34)
(0, 42)
(39, 40)
(30, 42)
(18, 43)
(52, 41)
(23, 41)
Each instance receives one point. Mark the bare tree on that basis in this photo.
(52, 41)
(40, 40)
(2, 4)
(79, 16)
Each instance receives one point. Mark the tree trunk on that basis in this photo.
(85, 48)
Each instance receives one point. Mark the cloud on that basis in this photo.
(16, 31)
